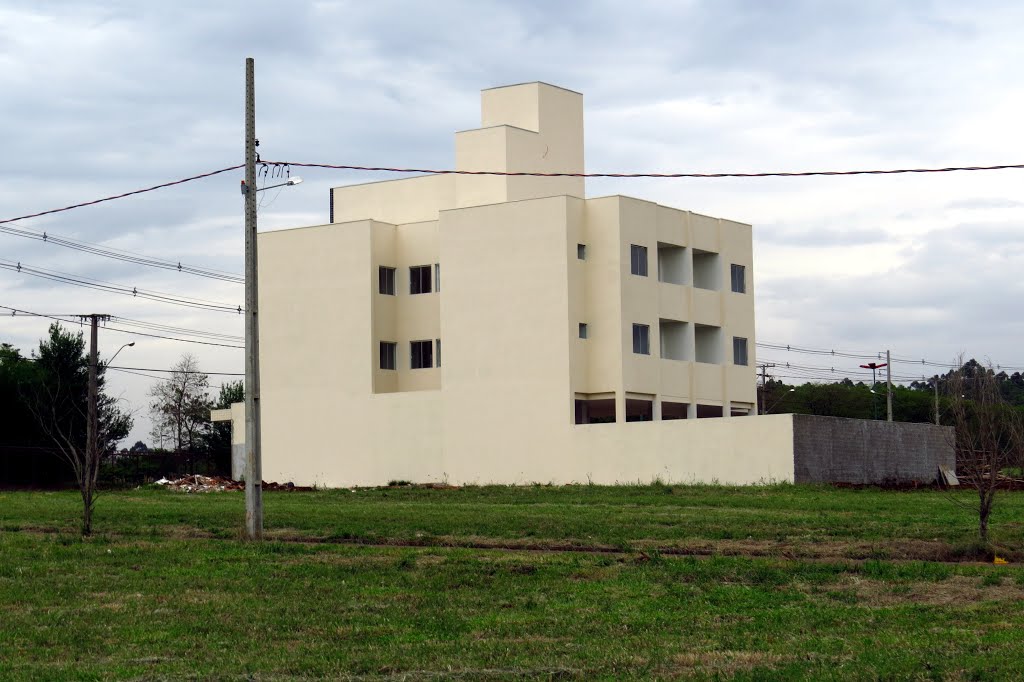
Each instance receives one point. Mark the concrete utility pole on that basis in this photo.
(253, 460)
(888, 386)
(764, 383)
(937, 400)
(92, 427)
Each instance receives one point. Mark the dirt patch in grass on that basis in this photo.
(726, 662)
(953, 591)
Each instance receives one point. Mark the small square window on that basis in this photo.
(419, 279)
(641, 339)
(638, 260)
(422, 356)
(386, 280)
(739, 350)
(583, 330)
(388, 354)
(581, 251)
(739, 279)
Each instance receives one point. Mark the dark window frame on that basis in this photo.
(581, 251)
(584, 330)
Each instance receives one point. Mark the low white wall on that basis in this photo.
(403, 441)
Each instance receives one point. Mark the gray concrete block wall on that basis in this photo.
(859, 451)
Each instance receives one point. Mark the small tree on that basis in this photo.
(57, 393)
(181, 407)
(988, 434)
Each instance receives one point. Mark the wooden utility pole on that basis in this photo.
(888, 386)
(253, 461)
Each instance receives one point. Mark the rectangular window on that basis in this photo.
(638, 260)
(437, 277)
(386, 280)
(581, 251)
(388, 353)
(739, 279)
(419, 279)
(739, 350)
(437, 351)
(583, 330)
(422, 354)
(641, 339)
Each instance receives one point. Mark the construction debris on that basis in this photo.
(208, 484)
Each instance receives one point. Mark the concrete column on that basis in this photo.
(691, 410)
(656, 408)
(620, 406)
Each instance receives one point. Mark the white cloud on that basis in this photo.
(101, 97)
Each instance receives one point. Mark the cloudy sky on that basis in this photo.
(104, 97)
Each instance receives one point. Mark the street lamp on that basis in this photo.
(127, 345)
(776, 404)
(874, 367)
(296, 180)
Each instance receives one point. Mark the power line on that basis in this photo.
(865, 356)
(119, 254)
(122, 195)
(179, 371)
(773, 174)
(134, 332)
(134, 292)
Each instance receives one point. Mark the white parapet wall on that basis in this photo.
(741, 451)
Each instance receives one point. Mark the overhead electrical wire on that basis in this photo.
(108, 327)
(121, 255)
(111, 287)
(123, 194)
(177, 371)
(772, 174)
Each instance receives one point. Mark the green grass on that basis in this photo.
(166, 589)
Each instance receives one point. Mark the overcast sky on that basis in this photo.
(104, 97)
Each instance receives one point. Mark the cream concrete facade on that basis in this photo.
(506, 269)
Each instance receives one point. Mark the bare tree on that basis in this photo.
(181, 406)
(988, 434)
(56, 394)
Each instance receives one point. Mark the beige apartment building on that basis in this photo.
(489, 328)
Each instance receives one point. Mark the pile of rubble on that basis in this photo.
(208, 484)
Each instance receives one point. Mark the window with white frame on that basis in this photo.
(419, 279)
(388, 353)
(386, 280)
(422, 354)
(739, 350)
(739, 279)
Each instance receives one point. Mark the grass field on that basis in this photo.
(511, 583)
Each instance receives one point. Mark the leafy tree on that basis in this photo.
(55, 391)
